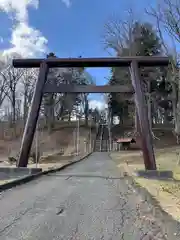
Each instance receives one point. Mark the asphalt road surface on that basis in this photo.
(89, 200)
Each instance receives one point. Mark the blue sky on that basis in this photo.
(81, 27)
(67, 27)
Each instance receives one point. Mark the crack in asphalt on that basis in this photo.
(15, 220)
(60, 211)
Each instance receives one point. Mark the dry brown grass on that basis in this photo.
(166, 192)
(58, 140)
(53, 162)
(56, 149)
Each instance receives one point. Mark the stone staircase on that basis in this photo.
(97, 146)
(102, 139)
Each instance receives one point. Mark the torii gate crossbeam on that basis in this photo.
(41, 87)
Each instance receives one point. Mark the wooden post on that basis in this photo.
(30, 127)
(146, 138)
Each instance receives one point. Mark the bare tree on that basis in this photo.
(28, 80)
(118, 34)
(86, 79)
(125, 37)
(167, 17)
(3, 86)
(12, 77)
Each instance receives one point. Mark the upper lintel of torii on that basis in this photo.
(92, 62)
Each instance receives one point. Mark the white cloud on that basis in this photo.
(67, 3)
(26, 40)
(18, 7)
(97, 104)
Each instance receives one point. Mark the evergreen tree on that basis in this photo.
(143, 42)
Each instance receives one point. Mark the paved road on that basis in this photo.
(88, 200)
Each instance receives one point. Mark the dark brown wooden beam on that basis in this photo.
(68, 88)
(145, 132)
(30, 127)
(91, 62)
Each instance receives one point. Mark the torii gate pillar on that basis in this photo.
(30, 126)
(142, 119)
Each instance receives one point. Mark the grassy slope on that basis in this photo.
(60, 138)
(166, 192)
(167, 158)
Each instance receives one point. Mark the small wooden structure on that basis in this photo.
(134, 63)
(124, 143)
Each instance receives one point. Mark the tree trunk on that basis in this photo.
(86, 111)
(25, 107)
(69, 116)
(149, 106)
(51, 113)
(155, 113)
(176, 107)
(61, 113)
(177, 121)
(13, 108)
(174, 103)
(149, 111)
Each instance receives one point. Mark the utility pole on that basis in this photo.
(78, 135)
(90, 135)
(37, 143)
(74, 139)
(109, 129)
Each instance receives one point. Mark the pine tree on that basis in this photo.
(143, 42)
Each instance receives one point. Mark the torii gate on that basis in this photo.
(42, 87)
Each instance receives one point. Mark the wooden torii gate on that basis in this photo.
(44, 87)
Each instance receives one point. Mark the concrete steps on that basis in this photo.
(102, 139)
